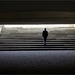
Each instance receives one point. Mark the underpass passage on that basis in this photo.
(32, 40)
(26, 54)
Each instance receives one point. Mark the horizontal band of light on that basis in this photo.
(39, 26)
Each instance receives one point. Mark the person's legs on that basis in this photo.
(44, 41)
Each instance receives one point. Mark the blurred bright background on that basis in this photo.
(56, 31)
(40, 25)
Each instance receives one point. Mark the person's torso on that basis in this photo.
(45, 33)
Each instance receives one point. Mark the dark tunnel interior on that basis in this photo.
(22, 49)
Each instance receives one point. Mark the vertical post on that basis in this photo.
(1, 27)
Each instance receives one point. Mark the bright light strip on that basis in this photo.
(39, 26)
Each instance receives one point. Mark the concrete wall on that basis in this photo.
(32, 12)
(37, 17)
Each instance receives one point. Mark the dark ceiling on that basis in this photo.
(37, 5)
(37, 11)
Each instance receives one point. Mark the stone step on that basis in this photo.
(35, 39)
(27, 45)
(37, 46)
(33, 49)
(36, 42)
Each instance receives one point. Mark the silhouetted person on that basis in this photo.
(45, 34)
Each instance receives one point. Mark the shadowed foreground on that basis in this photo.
(37, 62)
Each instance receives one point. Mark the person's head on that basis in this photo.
(45, 29)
